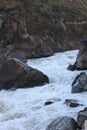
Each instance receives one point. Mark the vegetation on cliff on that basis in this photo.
(51, 24)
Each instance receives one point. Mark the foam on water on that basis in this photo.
(24, 109)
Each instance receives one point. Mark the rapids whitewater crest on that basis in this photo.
(24, 109)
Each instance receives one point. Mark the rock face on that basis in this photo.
(82, 116)
(81, 61)
(10, 52)
(80, 83)
(63, 123)
(39, 30)
(16, 74)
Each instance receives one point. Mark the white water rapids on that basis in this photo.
(24, 109)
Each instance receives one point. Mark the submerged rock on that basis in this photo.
(72, 103)
(52, 100)
(48, 102)
(16, 74)
(63, 123)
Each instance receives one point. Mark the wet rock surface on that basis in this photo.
(72, 103)
(71, 67)
(51, 101)
(80, 83)
(63, 123)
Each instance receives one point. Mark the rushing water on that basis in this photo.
(24, 109)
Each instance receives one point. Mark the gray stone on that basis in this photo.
(82, 116)
(63, 123)
(80, 83)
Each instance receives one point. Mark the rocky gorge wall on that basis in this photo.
(40, 28)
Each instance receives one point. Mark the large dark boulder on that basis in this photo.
(63, 123)
(16, 74)
(80, 83)
(82, 116)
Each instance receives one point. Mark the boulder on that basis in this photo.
(72, 103)
(80, 83)
(82, 117)
(81, 60)
(16, 74)
(63, 123)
